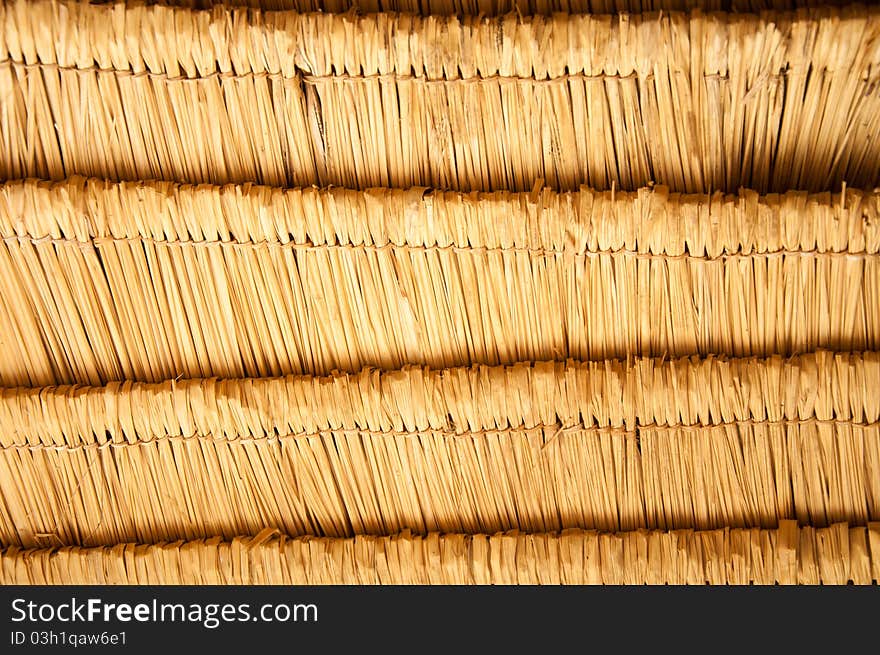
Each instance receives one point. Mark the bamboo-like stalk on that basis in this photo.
(650, 444)
(153, 281)
(789, 555)
(777, 101)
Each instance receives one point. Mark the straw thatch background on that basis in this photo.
(401, 298)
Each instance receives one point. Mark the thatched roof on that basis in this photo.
(438, 296)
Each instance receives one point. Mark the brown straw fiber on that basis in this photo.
(789, 555)
(663, 444)
(776, 101)
(154, 281)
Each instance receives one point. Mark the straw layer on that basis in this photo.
(153, 281)
(497, 7)
(342, 483)
(704, 445)
(691, 101)
(788, 555)
(643, 392)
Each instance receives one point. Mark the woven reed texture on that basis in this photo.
(613, 446)
(777, 101)
(153, 281)
(789, 555)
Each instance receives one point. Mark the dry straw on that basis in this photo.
(690, 467)
(777, 101)
(153, 281)
(612, 446)
(788, 555)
